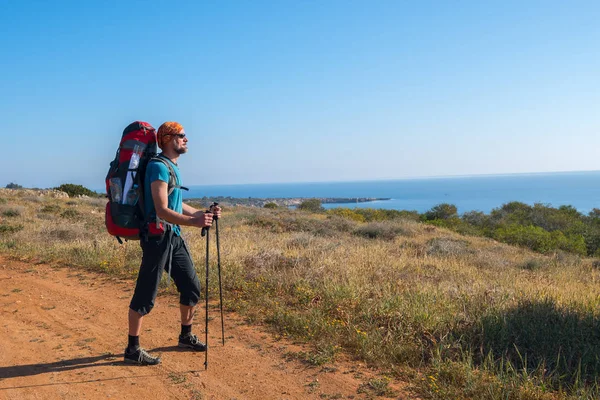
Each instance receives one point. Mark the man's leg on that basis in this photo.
(187, 314)
(146, 288)
(188, 285)
(135, 323)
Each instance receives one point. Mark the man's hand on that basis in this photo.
(203, 219)
(216, 210)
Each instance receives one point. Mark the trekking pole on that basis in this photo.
(219, 269)
(205, 231)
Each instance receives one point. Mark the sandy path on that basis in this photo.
(62, 334)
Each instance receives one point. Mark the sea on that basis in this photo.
(468, 193)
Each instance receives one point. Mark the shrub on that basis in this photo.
(574, 243)
(371, 214)
(76, 190)
(476, 218)
(51, 208)
(538, 239)
(71, 214)
(532, 237)
(379, 230)
(512, 208)
(564, 218)
(14, 186)
(10, 228)
(333, 225)
(312, 205)
(441, 211)
(301, 240)
(12, 211)
(347, 214)
(595, 213)
(270, 205)
(532, 264)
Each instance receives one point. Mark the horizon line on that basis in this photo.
(404, 179)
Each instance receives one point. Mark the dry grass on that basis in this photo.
(476, 318)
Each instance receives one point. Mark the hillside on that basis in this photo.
(454, 316)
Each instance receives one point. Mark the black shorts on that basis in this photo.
(155, 260)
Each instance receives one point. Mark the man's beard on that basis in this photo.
(181, 150)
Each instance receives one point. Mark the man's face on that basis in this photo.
(180, 143)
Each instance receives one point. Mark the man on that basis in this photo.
(162, 245)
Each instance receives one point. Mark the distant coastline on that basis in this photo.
(476, 193)
(403, 179)
(285, 201)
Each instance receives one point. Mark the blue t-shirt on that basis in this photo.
(157, 171)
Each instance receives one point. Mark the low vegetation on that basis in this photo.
(76, 190)
(539, 227)
(13, 185)
(431, 298)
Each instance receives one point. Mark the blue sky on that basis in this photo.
(296, 91)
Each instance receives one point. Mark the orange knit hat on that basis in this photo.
(166, 130)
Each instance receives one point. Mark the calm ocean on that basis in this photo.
(482, 193)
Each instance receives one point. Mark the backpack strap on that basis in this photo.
(172, 185)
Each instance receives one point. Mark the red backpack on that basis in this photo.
(125, 181)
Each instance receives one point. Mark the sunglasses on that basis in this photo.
(179, 135)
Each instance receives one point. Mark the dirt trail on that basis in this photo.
(62, 334)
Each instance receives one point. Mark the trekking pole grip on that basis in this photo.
(214, 204)
(206, 228)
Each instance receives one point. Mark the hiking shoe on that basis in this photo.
(140, 357)
(191, 341)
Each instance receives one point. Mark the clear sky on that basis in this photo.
(291, 91)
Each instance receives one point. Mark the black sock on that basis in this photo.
(134, 342)
(185, 329)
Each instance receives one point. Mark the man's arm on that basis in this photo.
(161, 204)
(189, 210)
(194, 212)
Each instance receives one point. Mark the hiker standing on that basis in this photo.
(163, 247)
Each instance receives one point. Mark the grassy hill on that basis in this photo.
(459, 316)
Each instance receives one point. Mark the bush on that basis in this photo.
(51, 208)
(532, 264)
(379, 230)
(14, 186)
(347, 214)
(540, 240)
(70, 214)
(441, 211)
(532, 237)
(539, 227)
(595, 213)
(12, 211)
(371, 214)
(270, 205)
(76, 190)
(10, 228)
(312, 205)
(476, 218)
